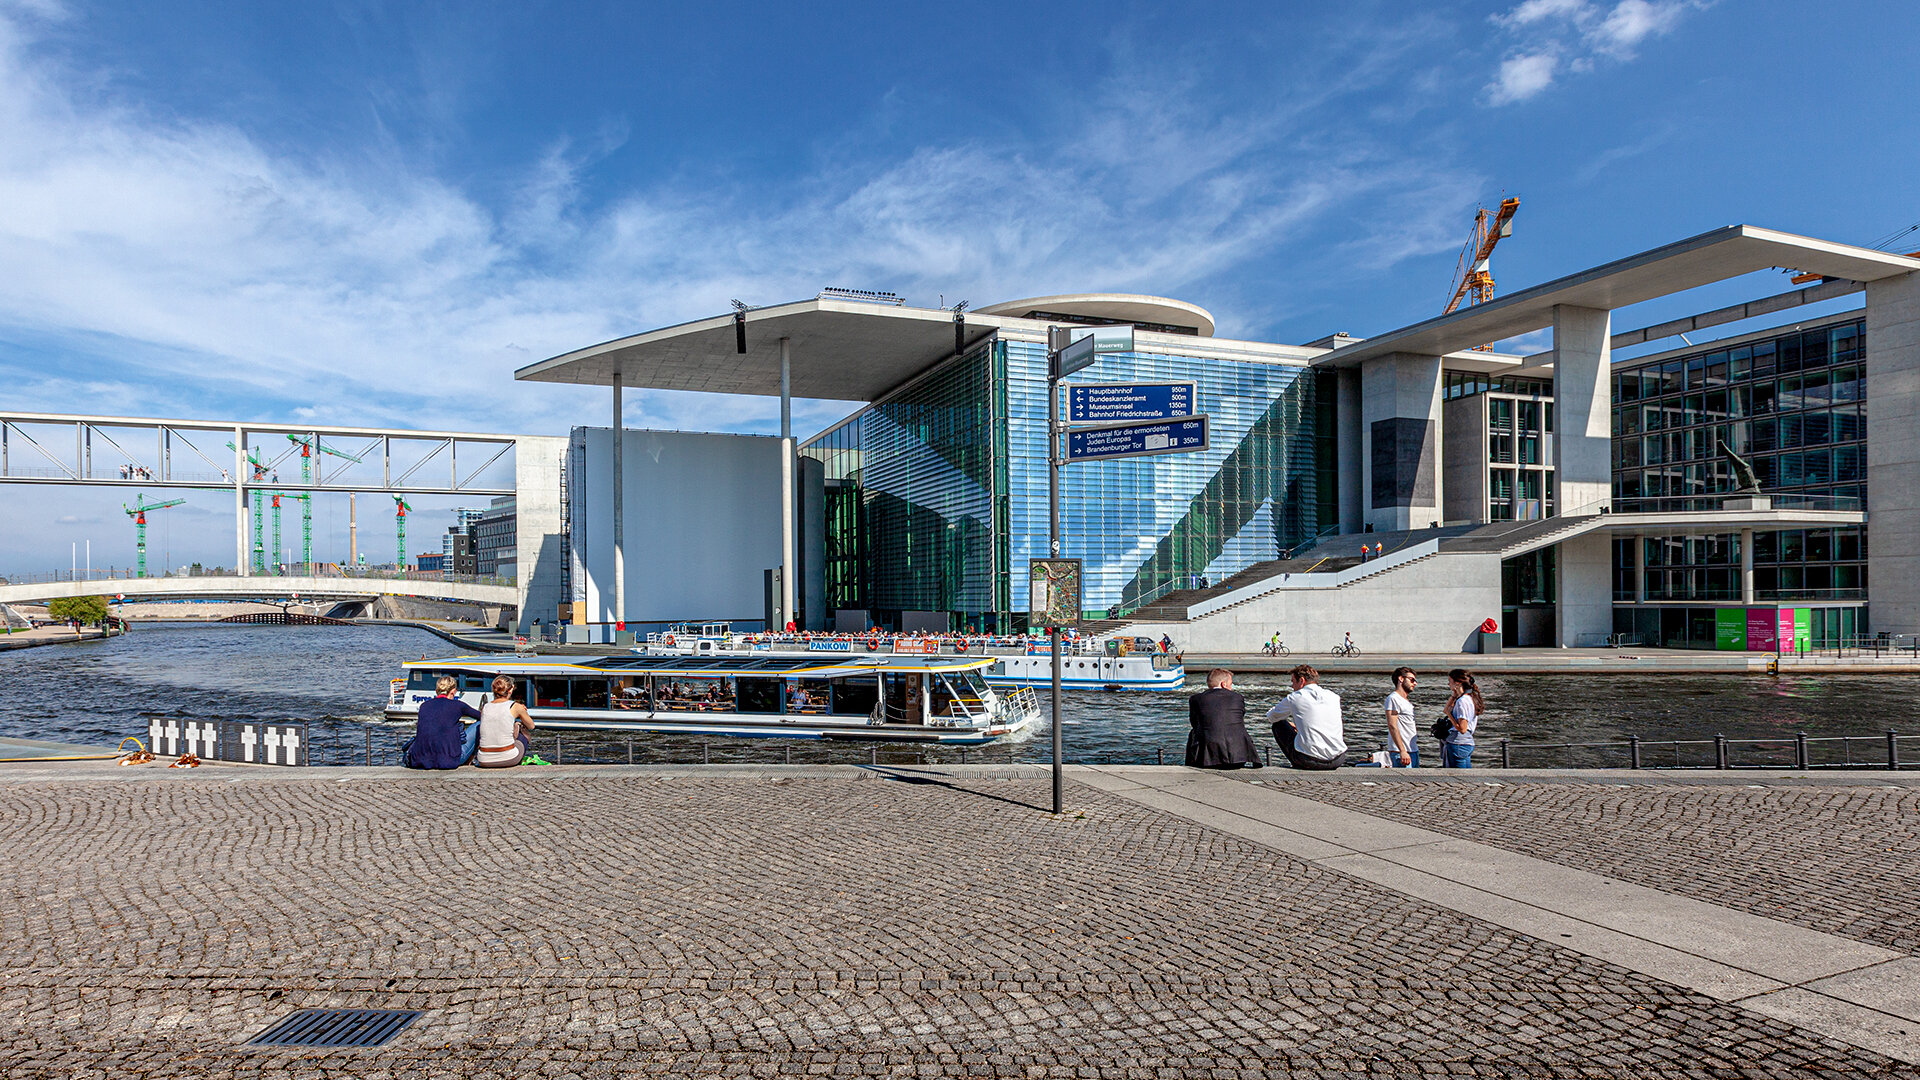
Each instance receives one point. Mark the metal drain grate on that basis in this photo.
(336, 1027)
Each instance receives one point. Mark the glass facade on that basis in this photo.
(1792, 404)
(938, 493)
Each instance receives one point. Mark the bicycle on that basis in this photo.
(1273, 648)
(1346, 648)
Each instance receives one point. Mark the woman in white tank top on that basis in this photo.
(504, 727)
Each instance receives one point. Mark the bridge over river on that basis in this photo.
(258, 587)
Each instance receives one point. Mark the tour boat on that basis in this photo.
(1017, 661)
(749, 692)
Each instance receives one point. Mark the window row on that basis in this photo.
(1801, 351)
(1745, 437)
(1846, 388)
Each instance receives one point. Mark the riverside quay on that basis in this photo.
(1637, 481)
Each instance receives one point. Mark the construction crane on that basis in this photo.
(1472, 278)
(400, 509)
(138, 512)
(307, 450)
(259, 509)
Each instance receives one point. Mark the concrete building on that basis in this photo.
(496, 540)
(1492, 483)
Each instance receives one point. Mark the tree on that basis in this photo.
(91, 610)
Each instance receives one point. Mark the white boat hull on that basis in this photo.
(1086, 672)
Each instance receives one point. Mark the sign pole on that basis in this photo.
(1056, 341)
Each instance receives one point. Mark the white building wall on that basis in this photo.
(1893, 453)
(1435, 605)
(540, 569)
(702, 524)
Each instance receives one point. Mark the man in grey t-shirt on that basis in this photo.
(1403, 750)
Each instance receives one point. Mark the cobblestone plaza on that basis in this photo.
(900, 922)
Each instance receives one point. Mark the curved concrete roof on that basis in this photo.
(1119, 307)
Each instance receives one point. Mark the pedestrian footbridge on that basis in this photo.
(261, 587)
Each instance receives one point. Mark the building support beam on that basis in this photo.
(1746, 566)
(1400, 437)
(1893, 452)
(619, 511)
(1349, 451)
(244, 565)
(1639, 568)
(1583, 406)
(787, 530)
(1584, 607)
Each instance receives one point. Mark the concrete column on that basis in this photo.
(240, 501)
(1349, 451)
(537, 528)
(1893, 453)
(1585, 609)
(1746, 566)
(787, 530)
(1583, 405)
(1639, 569)
(1400, 436)
(619, 508)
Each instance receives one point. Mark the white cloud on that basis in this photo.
(1571, 35)
(1521, 77)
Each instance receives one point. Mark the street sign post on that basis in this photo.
(1110, 403)
(1084, 345)
(1188, 433)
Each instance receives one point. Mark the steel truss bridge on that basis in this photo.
(142, 452)
(260, 588)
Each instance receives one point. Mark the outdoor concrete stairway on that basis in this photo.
(1510, 539)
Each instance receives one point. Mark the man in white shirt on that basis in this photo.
(1403, 751)
(1307, 724)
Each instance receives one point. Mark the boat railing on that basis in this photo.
(1020, 700)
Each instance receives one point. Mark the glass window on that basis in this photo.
(1849, 464)
(1819, 545)
(693, 693)
(1813, 390)
(1845, 384)
(1787, 354)
(1696, 372)
(1792, 430)
(1764, 356)
(1816, 467)
(1763, 398)
(1673, 377)
(629, 692)
(1765, 547)
(856, 695)
(1740, 362)
(1694, 405)
(1816, 428)
(1626, 387)
(589, 693)
(550, 693)
(1717, 369)
(1791, 471)
(1846, 545)
(1716, 407)
(758, 695)
(1813, 348)
(1793, 545)
(1788, 397)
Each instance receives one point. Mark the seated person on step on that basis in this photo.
(505, 728)
(439, 737)
(1307, 723)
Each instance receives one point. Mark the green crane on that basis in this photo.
(307, 449)
(259, 509)
(138, 512)
(400, 509)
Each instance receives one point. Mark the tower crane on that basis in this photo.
(138, 512)
(259, 508)
(400, 509)
(1473, 278)
(307, 449)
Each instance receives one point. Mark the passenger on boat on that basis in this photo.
(505, 727)
(439, 736)
(1218, 716)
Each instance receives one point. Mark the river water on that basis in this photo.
(335, 679)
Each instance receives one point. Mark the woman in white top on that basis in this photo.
(1463, 712)
(504, 729)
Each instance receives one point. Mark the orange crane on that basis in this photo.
(1472, 279)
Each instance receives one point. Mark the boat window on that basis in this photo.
(942, 697)
(418, 679)
(589, 693)
(630, 692)
(855, 695)
(693, 693)
(476, 684)
(550, 693)
(811, 695)
(759, 695)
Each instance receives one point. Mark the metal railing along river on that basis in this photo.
(1800, 751)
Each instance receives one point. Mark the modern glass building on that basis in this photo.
(1791, 402)
(936, 496)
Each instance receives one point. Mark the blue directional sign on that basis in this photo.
(1176, 436)
(1105, 403)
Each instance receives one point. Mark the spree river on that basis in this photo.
(335, 679)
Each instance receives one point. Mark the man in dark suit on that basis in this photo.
(1219, 717)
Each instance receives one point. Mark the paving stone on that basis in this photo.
(1838, 859)
(572, 924)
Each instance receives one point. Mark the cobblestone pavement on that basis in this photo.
(567, 922)
(1844, 860)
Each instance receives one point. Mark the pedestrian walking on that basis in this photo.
(1463, 718)
(1403, 750)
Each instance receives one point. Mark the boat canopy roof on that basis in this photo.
(825, 666)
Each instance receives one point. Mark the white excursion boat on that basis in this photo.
(1085, 664)
(685, 689)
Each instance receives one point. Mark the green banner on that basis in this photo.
(1802, 630)
(1730, 629)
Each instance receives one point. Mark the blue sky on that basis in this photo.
(366, 213)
